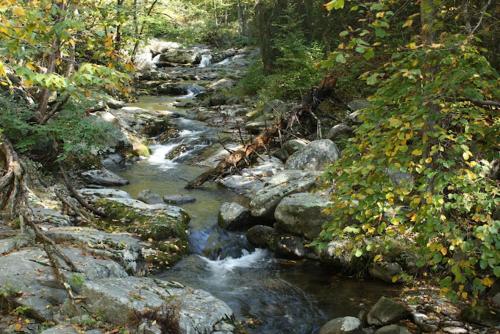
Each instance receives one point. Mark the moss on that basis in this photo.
(167, 234)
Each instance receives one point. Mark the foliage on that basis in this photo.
(418, 166)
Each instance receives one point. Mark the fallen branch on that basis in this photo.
(238, 157)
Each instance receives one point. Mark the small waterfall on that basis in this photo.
(206, 60)
(247, 260)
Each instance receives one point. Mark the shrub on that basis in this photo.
(418, 167)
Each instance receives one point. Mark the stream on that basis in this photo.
(269, 295)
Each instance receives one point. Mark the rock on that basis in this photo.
(113, 160)
(149, 197)
(29, 272)
(178, 56)
(222, 84)
(178, 199)
(386, 271)
(289, 246)
(9, 244)
(103, 177)
(392, 329)
(114, 103)
(61, 329)
(341, 326)
(315, 156)
(121, 247)
(172, 89)
(103, 193)
(293, 145)
(302, 214)
(338, 130)
(233, 216)
(118, 300)
(282, 184)
(51, 217)
(386, 311)
(244, 185)
(455, 330)
(157, 221)
(261, 235)
(290, 147)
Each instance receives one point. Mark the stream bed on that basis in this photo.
(269, 295)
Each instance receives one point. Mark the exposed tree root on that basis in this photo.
(77, 196)
(13, 191)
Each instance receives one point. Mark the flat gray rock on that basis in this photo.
(103, 177)
(117, 300)
(27, 275)
(282, 184)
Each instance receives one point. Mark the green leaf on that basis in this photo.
(334, 4)
(340, 58)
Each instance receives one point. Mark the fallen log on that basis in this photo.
(249, 152)
(239, 157)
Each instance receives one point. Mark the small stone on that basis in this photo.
(393, 329)
(341, 326)
(60, 329)
(454, 330)
(178, 199)
(386, 311)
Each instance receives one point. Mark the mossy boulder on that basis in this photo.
(165, 226)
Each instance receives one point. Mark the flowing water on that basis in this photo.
(268, 294)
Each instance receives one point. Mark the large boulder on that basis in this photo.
(302, 214)
(178, 56)
(233, 216)
(30, 282)
(165, 225)
(315, 156)
(386, 311)
(124, 248)
(103, 177)
(386, 271)
(345, 325)
(282, 184)
(121, 299)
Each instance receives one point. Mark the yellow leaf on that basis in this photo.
(395, 278)
(412, 45)
(394, 122)
(18, 11)
(417, 152)
(444, 250)
(18, 327)
(408, 23)
(466, 155)
(487, 281)
(377, 258)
